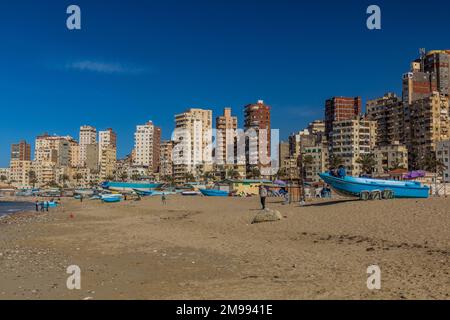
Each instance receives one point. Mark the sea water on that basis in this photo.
(9, 207)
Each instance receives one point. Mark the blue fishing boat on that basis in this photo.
(214, 193)
(111, 199)
(128, 186)
(358, 187)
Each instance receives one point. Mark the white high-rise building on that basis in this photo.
(88, 136)
(146, 146)
(107, 140)
(193, 143)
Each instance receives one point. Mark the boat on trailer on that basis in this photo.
(366, 188)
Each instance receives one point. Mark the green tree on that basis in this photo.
(32, 178)
(63, 179)
(232, 174)
(335, 161)
(3, 178)
(123, 176)
(77, 176)
(367, 162)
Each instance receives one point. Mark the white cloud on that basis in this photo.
(103, 67)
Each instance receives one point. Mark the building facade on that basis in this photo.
(147, 141)
(429, 125)
(350, 140)
(193, 143)
(88, 136)
(21, 151)
(258, 136)
(390, 157)
(338, 109)
(443, 155)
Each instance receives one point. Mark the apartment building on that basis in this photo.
(429, 125)
(107, 163)
(107, 139)
(19, 173)
(389, 157)
(147, 139)
(166, 161)
(21, 151)
(315, 161)
(338, 109)
(54, 149)
(351, 139)
(193, 143)
(88, 136)
(258, 147)
(226, 133)
(388, 112)
(443, 155)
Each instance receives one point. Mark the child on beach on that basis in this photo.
(163, 198)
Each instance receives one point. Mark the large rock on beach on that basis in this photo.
(267, 215)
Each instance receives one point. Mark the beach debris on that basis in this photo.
(267, 215)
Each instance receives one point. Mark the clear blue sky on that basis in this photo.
(139, 60)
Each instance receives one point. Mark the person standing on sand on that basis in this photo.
(47, 204)
(263, 196)
(163, 198)
(37, 206)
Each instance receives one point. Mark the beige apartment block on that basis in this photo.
(147, 139)
(226, 131)
(166, 162)
(429, 125)
(193, 143)
(388, 111)
(107, 161)
(19, 173)
(315, 161)
(55, 149)
(351, 139)
(88, 136)
(390, 157)
(443, 154)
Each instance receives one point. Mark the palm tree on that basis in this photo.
(209, 176)
(232, 174)
(430, 163)
(367, 162)
(123, 176)
(63, 178)
(135, 177)
(32, 177)
(3, 178)
(335, 161)
(254, 173)
(282, 172)
(78, 176)
(189, 177)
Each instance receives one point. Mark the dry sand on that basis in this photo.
(206, 248)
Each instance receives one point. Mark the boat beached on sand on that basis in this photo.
(367, 188)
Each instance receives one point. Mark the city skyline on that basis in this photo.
(145, 67)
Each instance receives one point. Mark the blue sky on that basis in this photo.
(139, 60)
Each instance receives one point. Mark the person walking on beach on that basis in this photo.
(47, 204)
(263, 196)
(42, 206)
(37, 206)
(163, 198)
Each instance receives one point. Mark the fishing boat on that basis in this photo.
(128, 186)
(367, 187)
(111, 197)
(190, 193)
(214, 193)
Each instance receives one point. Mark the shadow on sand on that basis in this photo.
(329, 203)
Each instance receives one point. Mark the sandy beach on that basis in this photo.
(207, 248)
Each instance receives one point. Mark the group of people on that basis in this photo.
(340, 172)
(42, 206)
